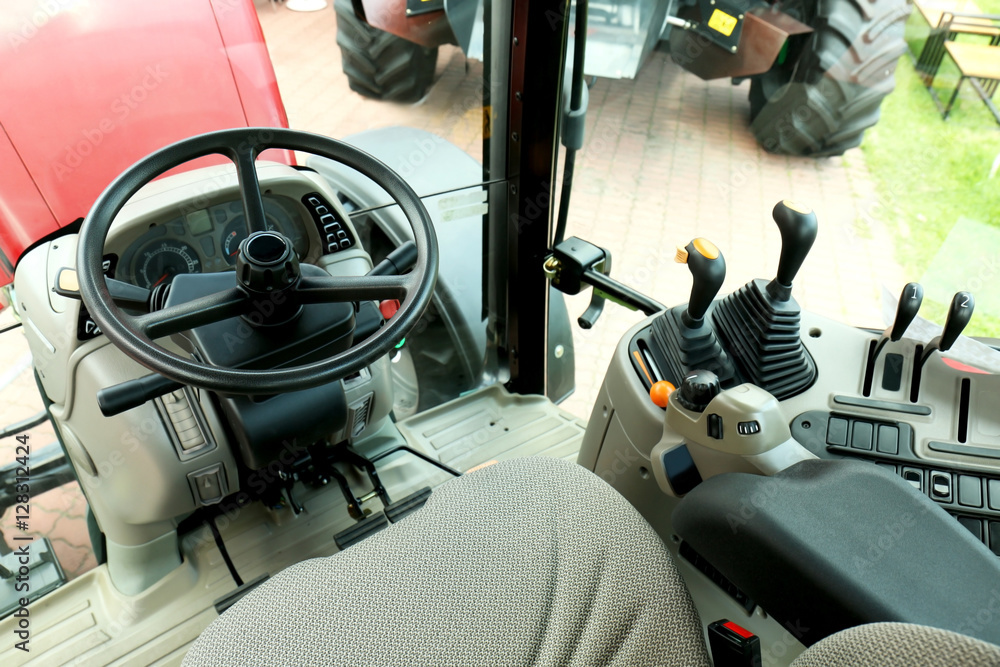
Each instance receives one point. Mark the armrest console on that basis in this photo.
(827, 545)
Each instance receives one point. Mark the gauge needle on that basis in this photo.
(233, 254)
(162, 278)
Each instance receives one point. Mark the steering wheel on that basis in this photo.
(134, 334)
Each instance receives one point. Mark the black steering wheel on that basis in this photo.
(134, 334)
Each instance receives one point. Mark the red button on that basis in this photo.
(388, 308)
(742, 632)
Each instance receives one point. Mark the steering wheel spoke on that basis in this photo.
(360, 288)
(191, 314)
(253, 203)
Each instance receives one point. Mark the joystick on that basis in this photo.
(759, 323)
(686, 339)
(708, 271)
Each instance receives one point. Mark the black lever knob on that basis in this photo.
(698, 389)
(798, 227)
(708, 271)
(959, 314)
(906, 310)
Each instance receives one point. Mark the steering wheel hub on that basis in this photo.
(267, 264)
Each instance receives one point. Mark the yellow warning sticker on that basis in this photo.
(722, 22)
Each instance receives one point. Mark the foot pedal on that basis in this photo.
(360, 530)
(408, 505)
(227, 601)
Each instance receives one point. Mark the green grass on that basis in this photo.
(930, 172)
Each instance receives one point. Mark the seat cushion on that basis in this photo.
(527, 562)
(903, 645)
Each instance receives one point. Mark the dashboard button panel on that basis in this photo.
(940, 486)
(994, 494)
(915, 477)
(836, 432)
(888, 439)
(333, 232)
(970, 491)
(862, 436)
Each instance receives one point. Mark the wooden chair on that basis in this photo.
(980, 64)
(946, 24)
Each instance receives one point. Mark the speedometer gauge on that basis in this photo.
(160, 261)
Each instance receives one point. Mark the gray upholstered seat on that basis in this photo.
(527, 562)
(900, 645)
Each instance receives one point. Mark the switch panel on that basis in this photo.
(970, 491)
(940, 486)
(333, 232)
(208, 484)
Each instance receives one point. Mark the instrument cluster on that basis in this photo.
(204, 240)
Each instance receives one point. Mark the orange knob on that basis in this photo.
(660, 393)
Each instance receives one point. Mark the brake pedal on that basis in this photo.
(360, 530)
(408, 505)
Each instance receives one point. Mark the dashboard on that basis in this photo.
(204, 240)
(196, 226)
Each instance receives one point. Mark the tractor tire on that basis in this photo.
(831, 86)
(381, 65)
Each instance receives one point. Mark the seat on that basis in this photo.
(528, 562)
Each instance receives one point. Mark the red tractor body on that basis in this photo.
(74, 113)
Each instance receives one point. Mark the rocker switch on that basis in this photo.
(715, 426)
(208, 484)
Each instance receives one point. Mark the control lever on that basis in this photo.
(959, 314)
(745, 421)
(759, 323)
(681, 333)
(123, 294)
(596, 306)
(909, 304)
(397, 262)
(906, 310)
(575, 263)
(123, 396)
(798, 227)
(708, 272)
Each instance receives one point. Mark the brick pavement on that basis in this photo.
(667, 157)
